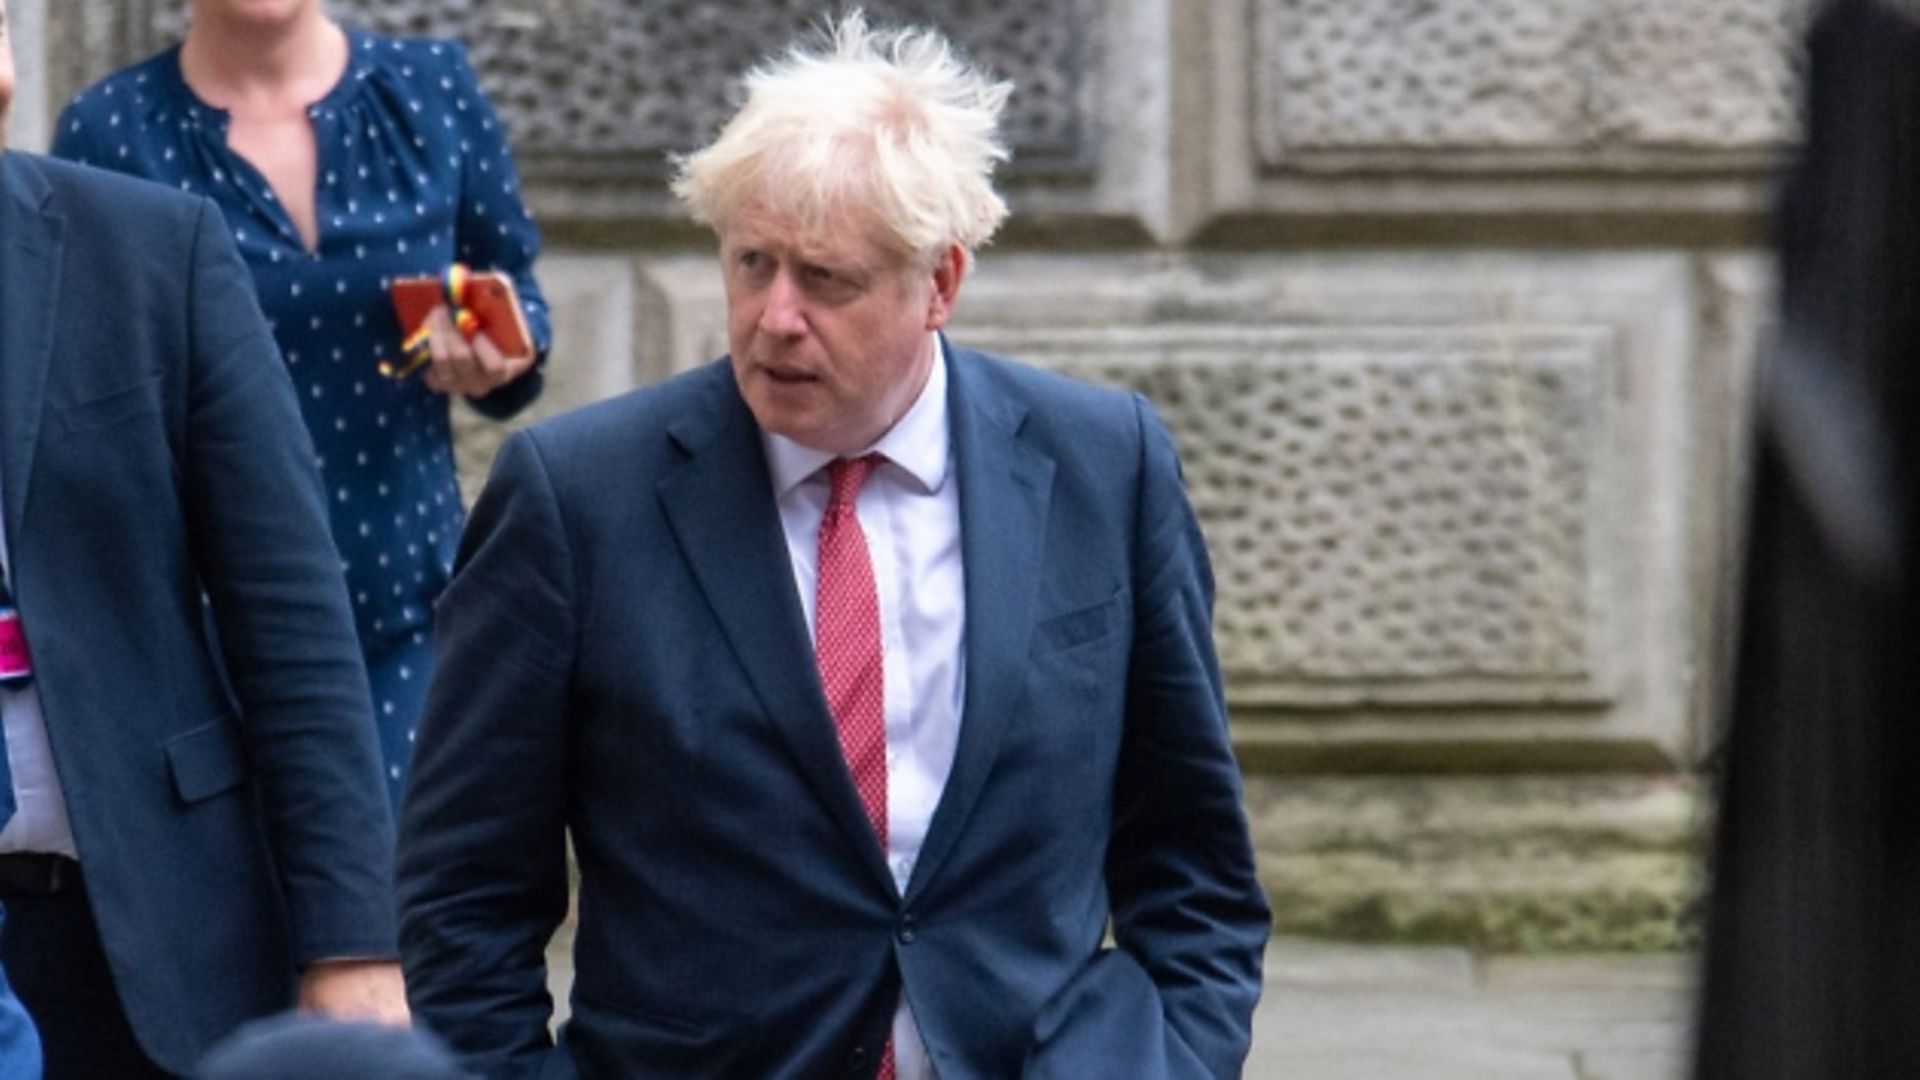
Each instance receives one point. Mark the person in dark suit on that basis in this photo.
(1811, 966)
(872, 676)
(300, 1046)
(19, 1042)
(201, 834)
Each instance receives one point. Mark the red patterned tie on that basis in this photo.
(846, 645)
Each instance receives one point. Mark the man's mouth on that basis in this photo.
(788, 376)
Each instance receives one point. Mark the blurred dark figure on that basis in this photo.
(1813, 950)
(302, 1046)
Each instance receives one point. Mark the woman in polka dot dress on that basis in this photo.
(343, 160)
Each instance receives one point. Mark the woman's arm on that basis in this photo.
(493, 229)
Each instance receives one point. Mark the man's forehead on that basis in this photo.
(851, 234)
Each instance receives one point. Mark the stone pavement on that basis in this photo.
(1350, 1012)
(1384, 1012)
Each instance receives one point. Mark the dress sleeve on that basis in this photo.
(493, 229)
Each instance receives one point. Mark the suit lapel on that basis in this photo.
(1005, 486)
(33, 241)
(720, 506)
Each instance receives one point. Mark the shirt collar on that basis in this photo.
(917, 442)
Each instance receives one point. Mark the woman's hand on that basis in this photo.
(469, 368)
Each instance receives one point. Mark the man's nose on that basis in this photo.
(782, 313)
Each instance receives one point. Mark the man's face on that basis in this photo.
(830, 331)
(6, 72)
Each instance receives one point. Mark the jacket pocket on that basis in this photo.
(112, 408)
(206, 760)
(1079, 626)
(660, 1022)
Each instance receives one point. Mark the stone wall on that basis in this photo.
(1451, 305)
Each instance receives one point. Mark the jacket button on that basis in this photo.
(906, 929)
(857, 1064)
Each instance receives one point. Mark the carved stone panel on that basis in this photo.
(1402, 510)
(1620, 122)
(1523, 83)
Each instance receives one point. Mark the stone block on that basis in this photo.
(1539, 84)
(686, 307)
(1527, 864)
(1394, 511)
(1592, 113)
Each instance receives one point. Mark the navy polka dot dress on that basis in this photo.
(414, 173)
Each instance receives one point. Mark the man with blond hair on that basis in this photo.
(872, 677)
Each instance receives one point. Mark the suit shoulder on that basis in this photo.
(113, 204)
(1048, 391)
(633, 423)
(1054, 406)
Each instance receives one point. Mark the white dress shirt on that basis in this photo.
(910, 513)
(39, 821)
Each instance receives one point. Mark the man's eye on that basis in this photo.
(830, 285)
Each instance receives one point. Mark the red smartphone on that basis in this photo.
(490, 297)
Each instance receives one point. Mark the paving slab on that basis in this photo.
(1368, 1012)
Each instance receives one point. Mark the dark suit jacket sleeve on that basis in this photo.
(257, 529)
(482, 871)
(1186, 902)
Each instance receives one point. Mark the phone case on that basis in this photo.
(490, 297)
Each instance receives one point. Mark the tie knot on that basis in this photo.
(847, 475)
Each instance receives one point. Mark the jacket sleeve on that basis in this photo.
(257, 530)
(482, 869)
(1187, 905)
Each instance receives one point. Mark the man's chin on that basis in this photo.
(782, 418)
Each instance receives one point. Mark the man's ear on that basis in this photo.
(948, 271)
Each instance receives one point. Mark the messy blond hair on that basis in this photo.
(883, 123)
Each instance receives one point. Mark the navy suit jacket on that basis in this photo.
(194, 654)
(622, 655)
